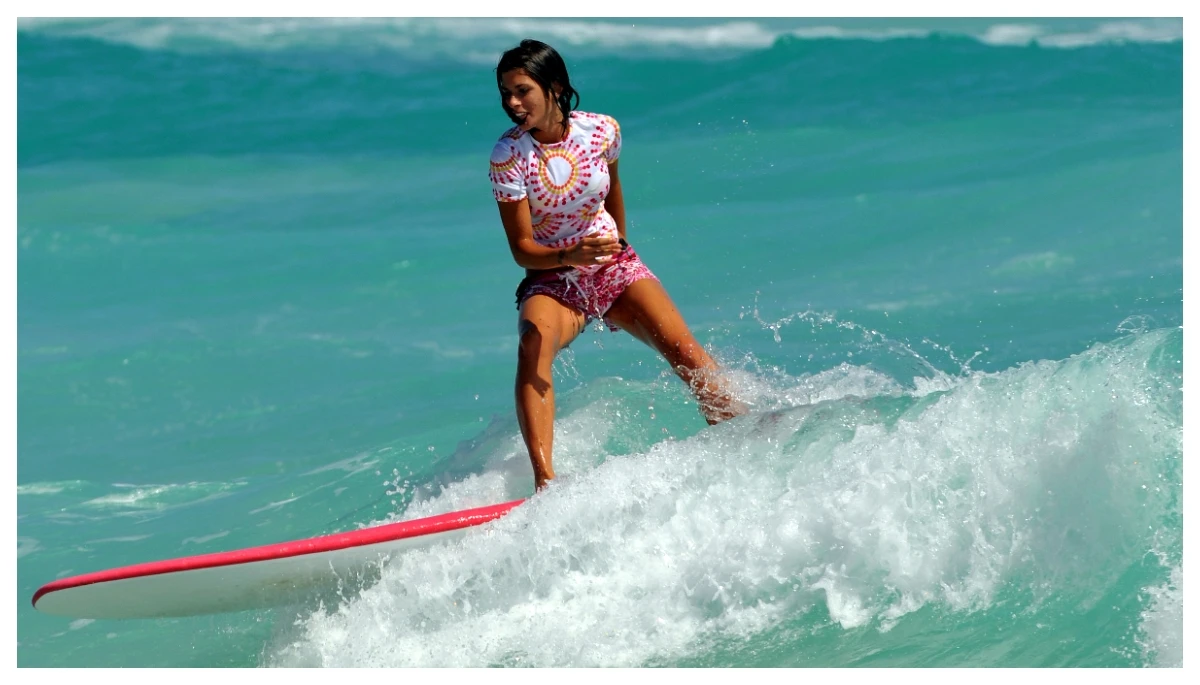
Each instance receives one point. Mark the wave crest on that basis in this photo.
(857, 512)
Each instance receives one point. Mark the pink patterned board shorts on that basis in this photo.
(591, 293)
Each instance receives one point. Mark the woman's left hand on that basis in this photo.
(592, 251)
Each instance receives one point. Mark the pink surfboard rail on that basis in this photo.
(241, 579)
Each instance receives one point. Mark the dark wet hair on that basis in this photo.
(545, 66)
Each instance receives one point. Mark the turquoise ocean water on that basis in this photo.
(263, 293)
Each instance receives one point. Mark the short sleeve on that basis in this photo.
(508, 183)
(612, 139)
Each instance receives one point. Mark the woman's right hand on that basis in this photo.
(592, 251)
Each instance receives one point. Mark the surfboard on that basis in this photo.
(251, 578)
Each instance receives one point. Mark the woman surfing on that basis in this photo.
(554, 178)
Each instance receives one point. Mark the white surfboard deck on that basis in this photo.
(251, 578)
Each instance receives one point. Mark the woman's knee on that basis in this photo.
(535, 341)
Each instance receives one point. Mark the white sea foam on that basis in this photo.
(1131, 31)
(351, 465)
(405, 35)
(200, 540)
(481, 39)
(838, 33)
(131, 497)
(1161, 624)
(867, 508)
(272, 506)
(120, 538)
(48, 488)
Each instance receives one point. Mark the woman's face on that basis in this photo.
(529, 106)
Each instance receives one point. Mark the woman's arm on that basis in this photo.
(614, 202)
(518, 225)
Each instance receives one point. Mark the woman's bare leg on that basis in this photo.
(545, 327)
(647, 312)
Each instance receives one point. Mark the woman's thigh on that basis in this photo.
(646, 311)
(546, 325)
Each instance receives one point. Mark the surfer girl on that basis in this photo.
(554, 178)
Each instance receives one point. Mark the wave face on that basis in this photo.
(263, 295)
(987, 511)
